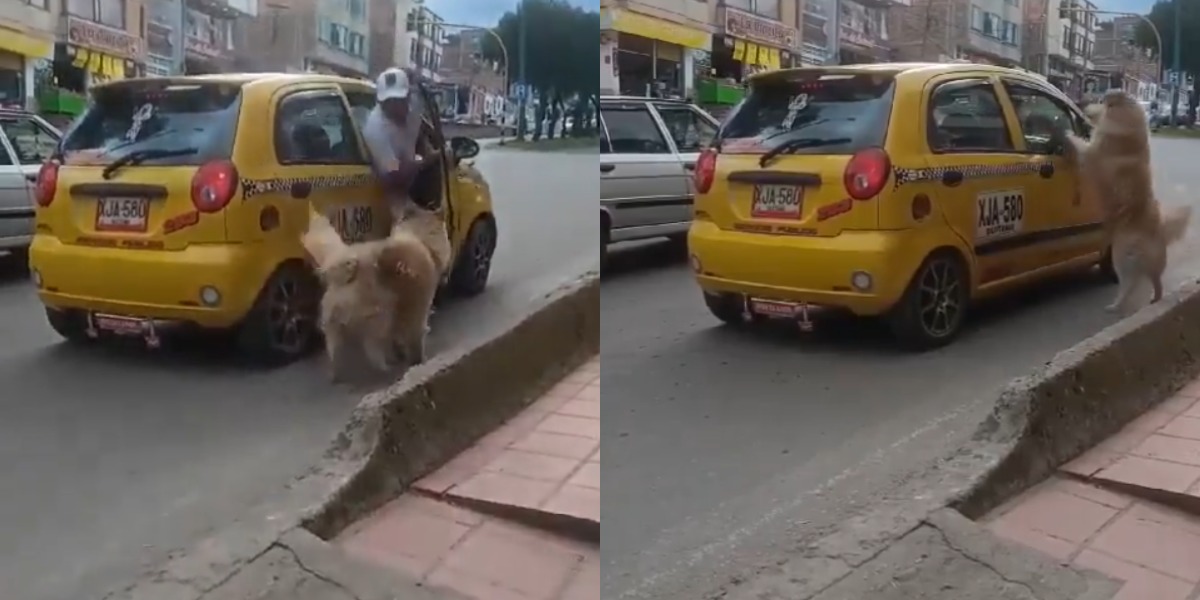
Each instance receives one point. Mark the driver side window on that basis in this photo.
(1042, 117)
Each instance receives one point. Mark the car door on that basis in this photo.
(321, 157)
(25, 144)
(691, 130)
(982, 181)
(643, 184)
(1074, 227)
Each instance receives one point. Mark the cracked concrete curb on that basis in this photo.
(1040, 421)
(395, 436)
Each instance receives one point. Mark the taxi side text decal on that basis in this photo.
(258, 187)
(904, 175)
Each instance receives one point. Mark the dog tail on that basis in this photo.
(321, 240)
(403, 253)
(1175, 223)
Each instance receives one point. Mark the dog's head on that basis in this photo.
(1122, 110)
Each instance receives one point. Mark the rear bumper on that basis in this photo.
(161, 285)
(816, 270)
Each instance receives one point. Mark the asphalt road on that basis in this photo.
(110, 459)
(724, 450)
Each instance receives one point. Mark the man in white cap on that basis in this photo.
(391, 132)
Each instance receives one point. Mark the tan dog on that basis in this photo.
(1115, 170)
(378, 294)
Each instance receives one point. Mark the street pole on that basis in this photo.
(1175, 66)
(521, 71)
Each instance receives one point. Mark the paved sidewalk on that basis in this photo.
(456, 529)
(1116, 508)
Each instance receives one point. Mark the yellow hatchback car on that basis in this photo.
(897, 190)
(179, 203)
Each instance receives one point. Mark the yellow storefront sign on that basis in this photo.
(660, 29)
(98, 63)
(756, 55)
(25, 45)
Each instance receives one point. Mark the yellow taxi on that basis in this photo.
(178, 203)
(898, 190)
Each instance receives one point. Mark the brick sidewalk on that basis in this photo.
(1098, 513)
(545, 461)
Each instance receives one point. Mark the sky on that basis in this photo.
(1136, 6)
(486, 13)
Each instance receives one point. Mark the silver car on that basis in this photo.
(26, 140)
(648, 150)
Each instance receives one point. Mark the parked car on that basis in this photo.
(26, 140)
(905, 191)
(648, 149)
(179, 203)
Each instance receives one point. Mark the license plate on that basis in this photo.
(120, 325)
(777, 201)
(355, 223)
(776, 309)
(122, 214)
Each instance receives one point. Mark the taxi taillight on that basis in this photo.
(866, 173)
(47, 183)
(214, 185)
(706, 170)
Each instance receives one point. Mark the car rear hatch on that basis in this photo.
(146, 166)
(784, 159)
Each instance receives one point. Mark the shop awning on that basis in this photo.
(660, 29)
(25, 45)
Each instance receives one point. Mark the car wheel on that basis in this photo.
(933, 309)
(1107, 270)
(282, 325)
(70, 324)
(728, 308)
(19, 256)
(474, 264)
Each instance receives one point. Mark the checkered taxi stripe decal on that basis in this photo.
(905, 175)
(258, 187)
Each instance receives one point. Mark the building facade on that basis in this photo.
(1129, 67)
(419, 36)
(650, 44)
(28, 31)
(982, 31)
(323, 36)
(1045, 47)
(473, 85)
(863, 31)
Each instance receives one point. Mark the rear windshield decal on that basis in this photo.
(258, 187)
(798, 103)
(905, 175)
(143, 114)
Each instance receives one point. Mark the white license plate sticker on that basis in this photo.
(122, 214)
(355, 223)
(777, 201)
(120, 325)
(776, 309)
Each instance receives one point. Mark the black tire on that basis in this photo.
(605, 237)
(19, 256)
(933, 309)
(282, 325)
(474, 264)
(1107, 270)
(728, 308)
(70, 324)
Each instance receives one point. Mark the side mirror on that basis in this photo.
(463, 147)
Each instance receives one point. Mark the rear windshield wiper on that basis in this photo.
(139, 156)
(797, 144)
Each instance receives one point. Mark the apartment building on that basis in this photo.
(419, 38)
(193, 36)
(474, 86)
(1132, 68)
(1079, 40)
(323, 36)
(982, 31)
(27, 36)
(862, 33)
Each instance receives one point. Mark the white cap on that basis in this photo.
(392, 83)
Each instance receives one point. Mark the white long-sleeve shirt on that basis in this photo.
(390, 144)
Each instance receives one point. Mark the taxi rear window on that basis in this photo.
(185, 124)
(813, 113)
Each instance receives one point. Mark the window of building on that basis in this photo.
(357, 9)
(412, 50)
(1066, 37)
(965, 116)
(112, 13)
(766, 8)
(42, 4)
(84, 9)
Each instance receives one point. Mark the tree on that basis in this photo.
(1163, 15)
(562, 52)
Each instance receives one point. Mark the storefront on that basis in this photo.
(96, 54)
(751, 44)
(651, 55)
(19, 52)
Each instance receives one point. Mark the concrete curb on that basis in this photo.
(1040, 421)
(396, 436)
